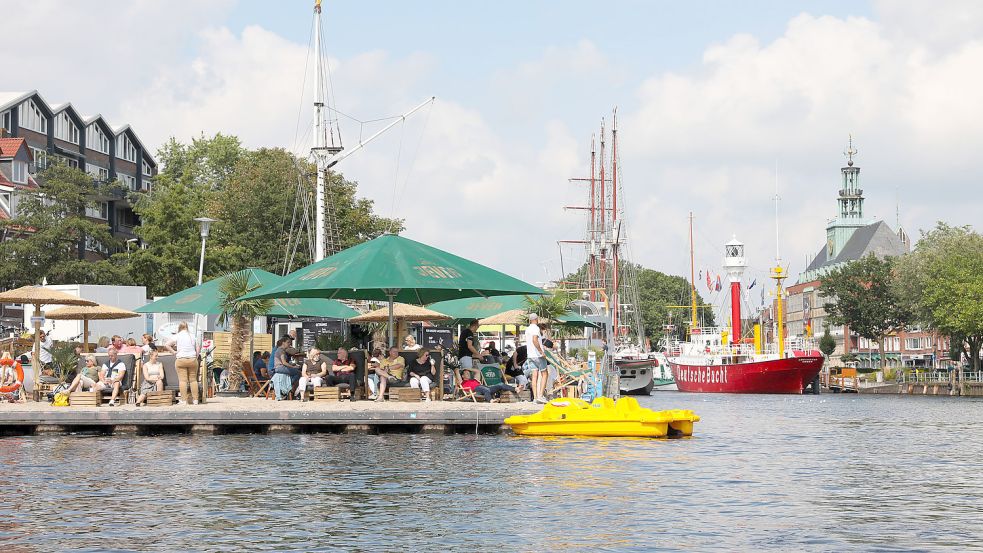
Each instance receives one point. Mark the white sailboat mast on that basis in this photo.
(324, 137)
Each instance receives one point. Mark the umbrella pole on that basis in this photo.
(36, 360)
(85, 335)
(391, 296)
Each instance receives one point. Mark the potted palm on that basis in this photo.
(239, 314)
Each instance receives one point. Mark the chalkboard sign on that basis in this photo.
(434, 336)
(312, 329)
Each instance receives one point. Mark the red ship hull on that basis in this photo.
(777, 376)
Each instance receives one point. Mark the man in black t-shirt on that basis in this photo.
(467, 349)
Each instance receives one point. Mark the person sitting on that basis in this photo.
(102, 346)
(284, 369)
(492, 351)
(148, 346)
(493, 391)
(409, 343)
(259, 365)
(111, 376)
(153, 377)
(390, 371)
(313, 372)
(85, 380)
(342, 371)
(373, 376)
(422, 373)
(468, 380)
(131, 347)
(514, 366)
(10, 378)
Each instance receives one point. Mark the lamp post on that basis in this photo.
(128, 242)
(205, 223)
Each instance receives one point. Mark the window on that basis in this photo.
(100, 173)
(146, 169)
(40, 158)
(99, 211)
(96, 140)
(65, 128)
(30, 117)
(125, 149)
(128, 181)
(20, 172)
(5, 121)
(93, 245)
(5, 202)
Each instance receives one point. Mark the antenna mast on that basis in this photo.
(326, 236)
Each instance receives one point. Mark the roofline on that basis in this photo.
(23, 96)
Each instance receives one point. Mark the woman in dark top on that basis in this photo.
(421, 373)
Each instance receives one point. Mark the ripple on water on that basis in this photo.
(827, 473)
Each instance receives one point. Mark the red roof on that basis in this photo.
(10, 146)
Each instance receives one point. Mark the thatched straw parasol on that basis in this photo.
(402, 311)
(86, 313)
(38, 296)
(511, 317)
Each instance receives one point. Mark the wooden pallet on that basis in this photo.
(327, 393)
(406, 394)
(90, 399)
(507, 397)
(157, 399)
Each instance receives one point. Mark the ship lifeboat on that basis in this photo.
(603, 418)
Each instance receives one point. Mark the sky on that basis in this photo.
(718, 104)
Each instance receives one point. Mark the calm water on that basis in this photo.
(826, 473)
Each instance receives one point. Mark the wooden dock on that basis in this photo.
(253, 415)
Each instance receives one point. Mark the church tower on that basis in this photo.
(850, 213)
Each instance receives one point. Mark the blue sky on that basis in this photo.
(712, 96)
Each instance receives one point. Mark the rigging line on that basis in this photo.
(399, 154)
(293, 217)
(331, 97)
(416, 155)
(303, 85)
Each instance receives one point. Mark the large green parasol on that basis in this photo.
(395, 269)
(206, 299)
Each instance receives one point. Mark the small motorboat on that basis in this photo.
(603, 417)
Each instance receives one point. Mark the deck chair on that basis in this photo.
(569, 374)
(462, 393)
(252, 382)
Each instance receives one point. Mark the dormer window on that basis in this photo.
(30, 117)
(65, 128)
(19, 174)
(5, 122)
(96, 140)
(147, 172)
(125, 149)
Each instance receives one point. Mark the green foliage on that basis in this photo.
(64, 359)
(827, 344)
(50, 226)
(241, 313)
(254, 196)
(866, 297)
(943, 280)
(551, 306)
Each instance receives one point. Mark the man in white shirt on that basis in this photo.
(111, 376)
(535, 358)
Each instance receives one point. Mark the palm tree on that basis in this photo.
(241, 314)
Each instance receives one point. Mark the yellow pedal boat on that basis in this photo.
(603, 417)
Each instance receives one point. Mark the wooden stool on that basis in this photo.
(407, 394)
(158, 399)
(91, 399)
(327, 393)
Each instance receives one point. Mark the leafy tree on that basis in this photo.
(827, 344)
(943, 279)
(241, 314)
(865, 297)
(46, 236)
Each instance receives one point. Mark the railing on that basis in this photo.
(938, 376)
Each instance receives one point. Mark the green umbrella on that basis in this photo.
(206, 299)
(395, 269)
(465, 309)
(576, 320)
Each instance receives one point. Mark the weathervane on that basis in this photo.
(850, 152)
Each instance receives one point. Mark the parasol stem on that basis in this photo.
(391, 295)
(85, 335)
(36, 360)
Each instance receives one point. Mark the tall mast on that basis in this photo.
(615, 226)
(692, 276)
(592, 228)
(323, 148)
(602, 220)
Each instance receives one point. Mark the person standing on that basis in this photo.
(467, 349)
(186, 363)
(535, 358)
(45, 354)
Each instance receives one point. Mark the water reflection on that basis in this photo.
(779, 473)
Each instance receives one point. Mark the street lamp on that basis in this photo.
(128, 242)
(205, 223)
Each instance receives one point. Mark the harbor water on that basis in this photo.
(787, 473)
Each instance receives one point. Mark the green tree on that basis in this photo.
(46, 236)
(827, 344)
(241, 314)
(943, 280)
(865, 297)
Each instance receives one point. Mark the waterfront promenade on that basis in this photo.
(226, 415)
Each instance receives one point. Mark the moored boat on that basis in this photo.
(603, 418)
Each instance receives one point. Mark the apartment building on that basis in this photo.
(87, 142)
